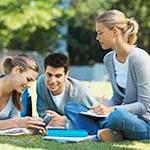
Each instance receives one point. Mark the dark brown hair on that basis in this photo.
(57, 60)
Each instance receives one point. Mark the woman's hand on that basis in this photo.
(31, 123)
(101, 109)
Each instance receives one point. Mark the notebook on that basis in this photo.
(70, 139)
(66, 133)
(93, 114)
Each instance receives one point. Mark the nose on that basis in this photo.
(29, 84)
(97, 38)
(53, 79)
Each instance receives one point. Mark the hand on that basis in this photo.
(57, 119)
(30, 122)
(101, 109)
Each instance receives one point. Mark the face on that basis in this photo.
(24, 79)
(105, 36)
(55, 79)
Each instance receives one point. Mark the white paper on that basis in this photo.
(16, 131)
(69, 139)
(92, 113)
(55, 127)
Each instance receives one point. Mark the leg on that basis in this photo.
(129, 125)
(78, 121)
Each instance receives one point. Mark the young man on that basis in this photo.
(55, 89)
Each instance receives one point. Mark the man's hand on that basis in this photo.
(57, 119)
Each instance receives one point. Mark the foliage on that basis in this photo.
(83, 47)
(24, 20)
(141, 13)
(33, 25)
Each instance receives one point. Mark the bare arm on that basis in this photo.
(27, 122)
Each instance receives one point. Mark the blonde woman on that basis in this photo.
(19, 71)
(128, 68)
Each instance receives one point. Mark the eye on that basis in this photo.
(58, 75)
(49, 75)
(100, 33)
(29, 79)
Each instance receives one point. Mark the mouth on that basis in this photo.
(52, 86)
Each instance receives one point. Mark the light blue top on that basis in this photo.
(9, 111)
(74, 90)
(136, 98)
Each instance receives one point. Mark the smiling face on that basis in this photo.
(23, 79)
(105, 36)
(55, 79)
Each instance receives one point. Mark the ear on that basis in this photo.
(16, 70)
(116, 31)
(67, 73)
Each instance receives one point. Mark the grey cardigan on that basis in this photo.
(74, 91)
(137, 94)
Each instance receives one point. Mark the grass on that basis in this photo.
(30, 142)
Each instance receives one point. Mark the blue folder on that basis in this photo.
(67, 133)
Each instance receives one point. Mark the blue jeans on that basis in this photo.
(77, 121)
(119, 120)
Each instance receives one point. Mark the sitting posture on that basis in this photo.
(128, 68)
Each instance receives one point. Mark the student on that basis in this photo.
(55, 89)
(128, 68)
(19, 71)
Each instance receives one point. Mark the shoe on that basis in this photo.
(107, 135)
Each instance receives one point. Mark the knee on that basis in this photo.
(117, 116)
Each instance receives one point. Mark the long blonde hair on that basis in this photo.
(115, 18)
(24, 62)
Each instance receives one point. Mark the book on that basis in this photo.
(93, 114)
(67, 133)
(69, 139)
(16, 131)
(55, 127)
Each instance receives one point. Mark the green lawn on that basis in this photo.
(35, 142)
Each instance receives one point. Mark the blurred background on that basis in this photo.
(38, 27)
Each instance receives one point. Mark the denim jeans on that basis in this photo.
(119, 120)
(78, 121)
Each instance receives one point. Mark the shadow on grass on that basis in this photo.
(36, 142)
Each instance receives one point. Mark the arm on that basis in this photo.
(116, 99)
(26, 122)
(41, 104)
(139, 71)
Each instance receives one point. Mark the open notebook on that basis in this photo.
(93, 114)
(16, 131)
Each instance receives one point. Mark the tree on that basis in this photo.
(23, 21)
(83, 48)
